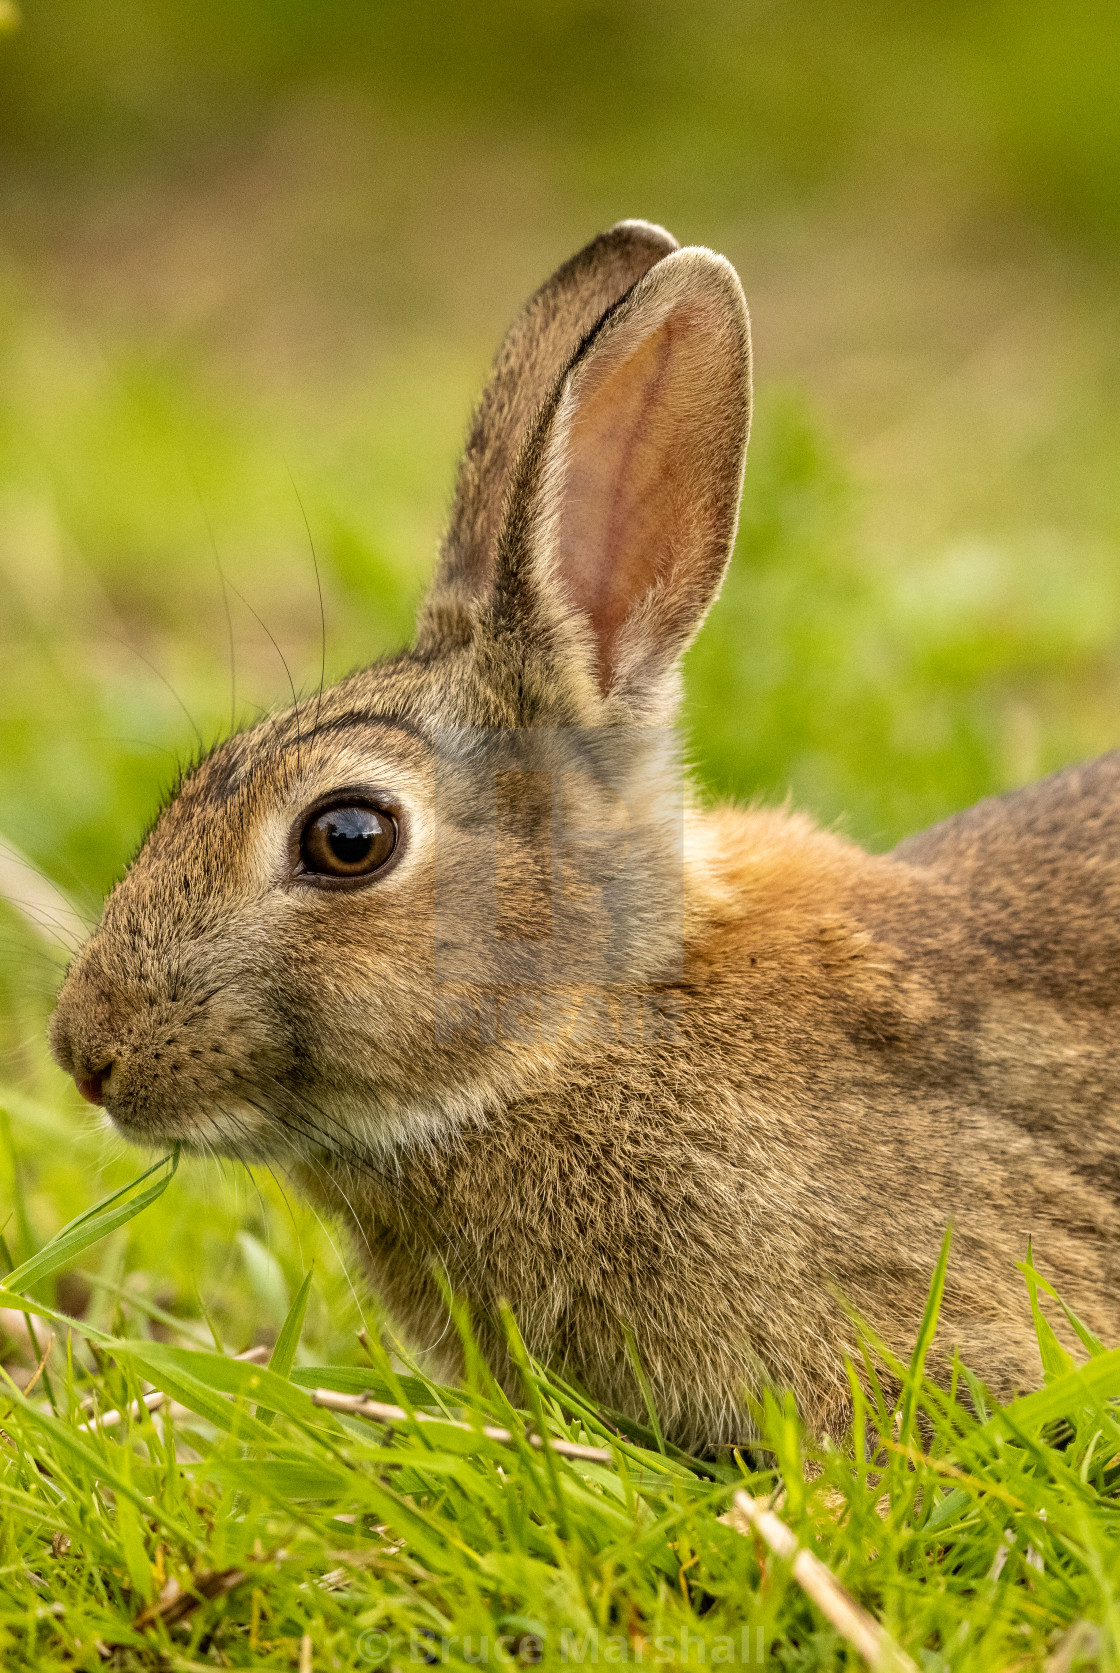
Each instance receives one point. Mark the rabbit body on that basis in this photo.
(746, 1099)
(869, 1048)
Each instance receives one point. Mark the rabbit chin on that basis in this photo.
(235, 1129)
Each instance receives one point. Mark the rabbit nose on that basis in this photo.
(79, 1043)
(92, 1085)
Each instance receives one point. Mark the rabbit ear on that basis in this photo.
(622, 518)
(535, 351)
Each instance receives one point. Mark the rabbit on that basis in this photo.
(457, 944)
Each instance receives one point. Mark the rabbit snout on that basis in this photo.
(162, 1055)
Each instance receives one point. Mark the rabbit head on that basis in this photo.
(326, 941)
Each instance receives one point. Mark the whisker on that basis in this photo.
(341, 1143)
(225, 605)
(18, 857)
(237, 1122)
(19, 947)
(137, 743)
(39, 899)
(148, 663)
(343, 1265)
(300, 1122)
(237, 593)
(319, 589)
(43, 918)
(271, 1171)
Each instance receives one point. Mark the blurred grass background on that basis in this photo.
(242, 240)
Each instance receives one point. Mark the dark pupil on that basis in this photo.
(350, 834)
(348, 842)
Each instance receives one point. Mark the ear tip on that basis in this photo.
(697, 272)
(697, 275)
(707, 266)
(647, 234)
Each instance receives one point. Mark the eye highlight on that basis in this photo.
(346, 843)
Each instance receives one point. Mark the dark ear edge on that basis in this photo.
(533, 355)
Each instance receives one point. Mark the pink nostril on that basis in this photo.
(91, 1086)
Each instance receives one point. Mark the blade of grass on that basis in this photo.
(926, 1332)
(1091, 1343)
(66, 1441)
(91, 1226)
(1055, 1360)
(1100, 1378)
(639, 1371)
(284, 1353)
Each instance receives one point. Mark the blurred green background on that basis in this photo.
(245, 244)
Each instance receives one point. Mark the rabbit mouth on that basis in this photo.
(229, 1128)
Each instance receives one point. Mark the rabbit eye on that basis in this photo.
(345, 842)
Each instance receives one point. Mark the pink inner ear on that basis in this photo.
(640, 519)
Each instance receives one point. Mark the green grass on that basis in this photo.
(883, 695)
(244, 1526)
(239, 241)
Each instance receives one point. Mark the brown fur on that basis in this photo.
(791, 1078)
